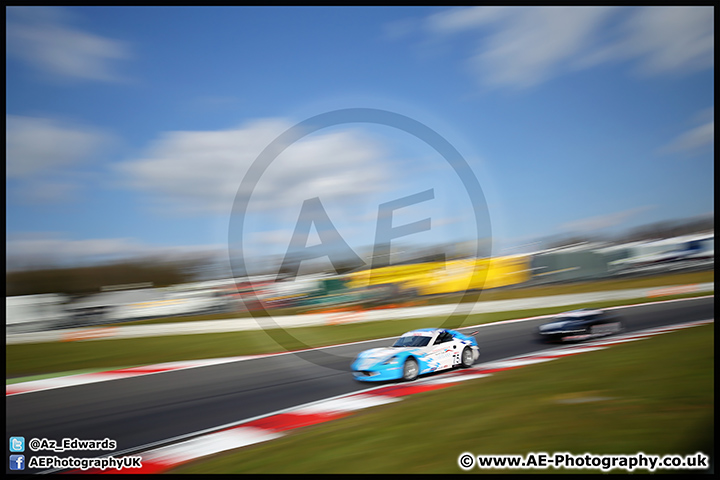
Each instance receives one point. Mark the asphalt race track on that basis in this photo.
(150, 409)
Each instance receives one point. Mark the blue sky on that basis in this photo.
(129, 130)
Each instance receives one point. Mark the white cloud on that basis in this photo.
(400, 29)
(200, 172)
(468, 18)
(600, 222)
(46, 249)
(524, 46)
(41, 37)
(40, 191)
(34, 244)
(54, 249)
(36, 146)
(44, 157)
(671, 39)
(695, 139)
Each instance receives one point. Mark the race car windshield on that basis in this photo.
(412, 341)
(576, 318)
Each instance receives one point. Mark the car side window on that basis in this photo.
(442, 338)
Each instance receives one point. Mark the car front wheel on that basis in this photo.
(410, 370)
(466, 359)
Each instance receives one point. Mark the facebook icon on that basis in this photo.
(17, 462)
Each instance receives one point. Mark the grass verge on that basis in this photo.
(655, 396)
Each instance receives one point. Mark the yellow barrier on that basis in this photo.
(447, 277)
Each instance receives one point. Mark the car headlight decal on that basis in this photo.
(393, 359)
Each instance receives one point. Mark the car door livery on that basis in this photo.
(606, 324)
(443, 353)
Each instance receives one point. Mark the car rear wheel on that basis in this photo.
(410, 370)
(466, 359)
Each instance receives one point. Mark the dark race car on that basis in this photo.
(578, 325)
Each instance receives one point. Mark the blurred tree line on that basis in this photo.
(83, 280)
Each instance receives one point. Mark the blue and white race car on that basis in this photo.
(415, 353)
